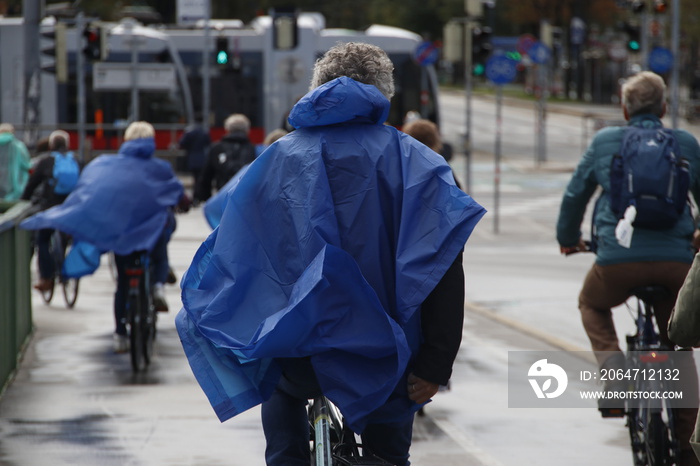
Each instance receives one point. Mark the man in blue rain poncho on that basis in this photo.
(336, 268)
(121, 203)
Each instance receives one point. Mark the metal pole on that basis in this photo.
(468, 85)
(644, 36)
(497, 153)
(32, 71)
(80, 64)
(134, 73)
(206, 71)
(543, 112)
(675, 71)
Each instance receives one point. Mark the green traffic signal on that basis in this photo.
(478, 69)
(633, 45)
(222, 57)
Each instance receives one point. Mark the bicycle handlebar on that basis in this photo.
(576, 249)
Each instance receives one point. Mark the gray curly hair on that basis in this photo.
(644, 92)
(362, 62)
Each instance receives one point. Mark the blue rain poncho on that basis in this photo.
(120, 203)
(214, 207)
(327, 247)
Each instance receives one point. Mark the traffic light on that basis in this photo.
(660, 6)
(481, 48)
(637, 6)
(634, 42)
(95, 43)
(222, 55)
(285, 32)
(55, 46)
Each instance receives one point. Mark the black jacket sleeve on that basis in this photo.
(442, 318)
(42, 173)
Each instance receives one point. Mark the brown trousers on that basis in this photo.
(608, 286)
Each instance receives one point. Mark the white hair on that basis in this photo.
(237, 122)
(138, 130)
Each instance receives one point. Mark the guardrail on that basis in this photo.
(15, 289)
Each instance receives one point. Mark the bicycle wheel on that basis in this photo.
(47, 295)
(661, 444)
(652, 436)
(635, 424)
(136, 338)
(149, 326)
(70, 291)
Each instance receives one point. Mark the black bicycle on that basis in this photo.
(140, 312)
(58, 247)
(650, 421)
(332, 442)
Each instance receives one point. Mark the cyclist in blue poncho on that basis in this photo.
(122, 203)
(336, 268)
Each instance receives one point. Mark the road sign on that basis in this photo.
(426, 53)
(539, 52)
(617, 51)
(577, 31)
(660, 60)
(117, 76)
(500, 69)
(524, 43)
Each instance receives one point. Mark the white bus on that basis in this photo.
(266, 73)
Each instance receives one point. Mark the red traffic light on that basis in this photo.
(660, 6)
(93, 43)
(91, 36)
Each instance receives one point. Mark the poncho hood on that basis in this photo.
(6, 138)
(342, 100)
(142, 148)
(326, 249)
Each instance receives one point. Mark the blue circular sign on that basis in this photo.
(500, 69)
(539, 53)
(426, 53)
(660, 60)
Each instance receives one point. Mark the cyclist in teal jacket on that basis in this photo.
(659, 257)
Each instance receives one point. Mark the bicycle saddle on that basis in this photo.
(650, 293)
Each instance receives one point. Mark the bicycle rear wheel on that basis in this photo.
(70, 291)
(635, 424)
(652, 436)
(47, 295)
(661, 444)
(136, 347)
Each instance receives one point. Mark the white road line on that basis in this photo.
(466, 442)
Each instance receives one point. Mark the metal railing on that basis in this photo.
(15, 289)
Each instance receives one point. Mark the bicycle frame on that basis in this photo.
(333, 442)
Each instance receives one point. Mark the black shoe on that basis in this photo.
(172, 278)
